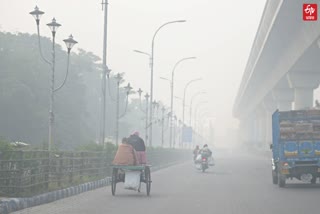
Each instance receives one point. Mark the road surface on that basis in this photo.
(238, 184)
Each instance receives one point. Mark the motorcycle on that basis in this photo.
(203, 162)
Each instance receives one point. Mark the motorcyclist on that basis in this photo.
(205, 151)
(196, 152)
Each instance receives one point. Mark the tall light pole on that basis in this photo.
(183, 103)
(180, 130)
(118, 116)
(174, 130)
(190, 108)
(118, 79)
(144, 53)
(163, 109)
(172, 88)
(200, 104)
(146, 112)
(70, 42)
(201, 126)
(152, 66)
(184, 95)
(146, 96)
(105, 71)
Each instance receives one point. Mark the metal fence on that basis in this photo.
(27, 173)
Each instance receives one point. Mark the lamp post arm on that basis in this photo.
(140, 105)
(185, 88)
(125, 110)
(155, 34)
(40, 47)
(184, 96)
(65, 78)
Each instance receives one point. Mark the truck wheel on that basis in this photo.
(274, 177)
(314, 180)
(282, 180)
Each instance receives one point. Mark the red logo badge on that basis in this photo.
(310, 12)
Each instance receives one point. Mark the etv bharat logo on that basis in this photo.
(310, 12)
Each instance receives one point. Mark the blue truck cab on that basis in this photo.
(295, 146)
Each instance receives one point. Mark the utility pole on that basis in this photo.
(106, 72)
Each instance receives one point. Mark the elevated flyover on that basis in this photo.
(282, 71)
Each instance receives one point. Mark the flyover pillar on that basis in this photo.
(244, 131)
(303, 98)
(248, 130)
(284, 106)
(270, 106)
(261, 126)
(303, 83)
(284, 98)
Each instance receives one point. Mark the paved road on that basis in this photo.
(239, 184)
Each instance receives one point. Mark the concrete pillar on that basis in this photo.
(263, 127)
(303, 83)
(303, 98)
(247, 130)
(268, 128)
(260, 126)
(243, 133)
(284, 105)
(255, 131)
(283, 98)
(270, 106)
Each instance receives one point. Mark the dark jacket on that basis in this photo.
(137, 143)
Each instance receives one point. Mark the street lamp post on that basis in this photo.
(156, 108)
(152, 67)
(184, 96)
(70, 42)
(183, 103)
(118, 79)
(118, 116)
(174, 130)
(201, 126)
(190, 108)
(172, 87)
(200, 104)
(105, 73)
(146, 112)
(162, 126)
(180, 130)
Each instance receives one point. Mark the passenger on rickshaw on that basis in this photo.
(126, 155)
(138, 145)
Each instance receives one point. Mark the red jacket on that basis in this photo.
(125, 155)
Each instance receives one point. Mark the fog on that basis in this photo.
(219, 33)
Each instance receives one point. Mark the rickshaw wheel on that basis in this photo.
(148, 179)
(114, 181)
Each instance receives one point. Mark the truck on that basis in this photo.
(295, 146)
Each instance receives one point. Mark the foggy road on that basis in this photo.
(239, 183)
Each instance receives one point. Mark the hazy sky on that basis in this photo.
(219, 33)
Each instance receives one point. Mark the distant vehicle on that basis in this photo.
(295, 146)
(203, 162)
(19, 144)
